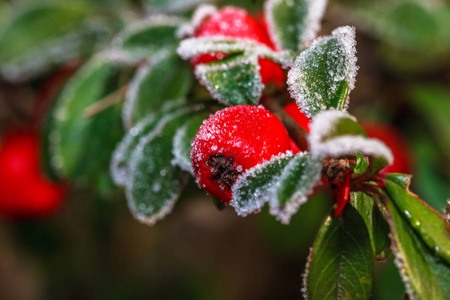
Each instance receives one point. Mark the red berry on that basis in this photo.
(394, 140)
(232, 22)
(24, 192)
(233, 140)
(302, 120)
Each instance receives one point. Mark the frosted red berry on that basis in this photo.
(232, 141)
(232, 22)
(394, 140)
(24, 191)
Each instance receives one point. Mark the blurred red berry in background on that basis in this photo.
(24, 191)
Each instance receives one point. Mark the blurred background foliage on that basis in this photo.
(93, 249)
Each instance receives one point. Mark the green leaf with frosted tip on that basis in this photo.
(341, 262)
(183, 139)
(425, 275)
(82, 145)
(154, 182)
(143, 39)
(293, 23)
(47, 34)
(166, 78)
(250, 192)
(429, 224)
(295, 184)
(232, 81)
(324, 74)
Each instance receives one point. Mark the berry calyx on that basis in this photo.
(24, 191)
(394, 140)
(232, 22)
(231, 141)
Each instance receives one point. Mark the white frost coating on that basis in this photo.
(311, 175)
(298, 79)
(349, 145)
(201, 13)
(261, 195)
(324, 123)
(202, 69)
(305, 274)
(308, 27)
(119, 172)
(179, 159)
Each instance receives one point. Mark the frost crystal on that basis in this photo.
(324, 123)
(201, 13)
(324, 75)
(304, 23)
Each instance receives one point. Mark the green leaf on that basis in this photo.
(293, 23)
(296, 183)
(166, 78)
(336, 134)
(144, 39)
(403, 180)
(182, 142)
(82, 145)
(324, 74)
(376, 225)
(45, 35)
(122, 153)
(341, 262)
(361, 164)
(232, 81)
(45, 154)
(429, 224)
(250, 191)
(154, 182)
(425, 275)
(173, 6)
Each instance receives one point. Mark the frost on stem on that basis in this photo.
(293, 23)
(324, 75)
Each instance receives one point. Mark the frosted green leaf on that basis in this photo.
(293, 23)
(81, 145)
(336, 134)
(173, 6)
(232, 81)
(154, 182)
(182, 142)
(295, 184)
(143, 39)
(163, 79)
(341, 262)
(424, 274)
(47, 34)
(324, 74)
(250, 192)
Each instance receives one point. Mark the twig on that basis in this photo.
(105, 103)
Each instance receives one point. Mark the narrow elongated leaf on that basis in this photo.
(429, 224)
(182, 142)
(293, 23)
(425, 275)
(165, 78)
(81, 145)
(142, 40)
(232, 81)
(154, 182)
(45, 35)
(251, 190)
(376, 225)
(336, 134)
(341, 261)
(173, 6)
(295, 184)
(323, 75)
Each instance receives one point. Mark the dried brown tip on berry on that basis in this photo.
(223, 169)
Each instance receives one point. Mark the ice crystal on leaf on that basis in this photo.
(293, 23)
(201, 13)
(324, 74)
